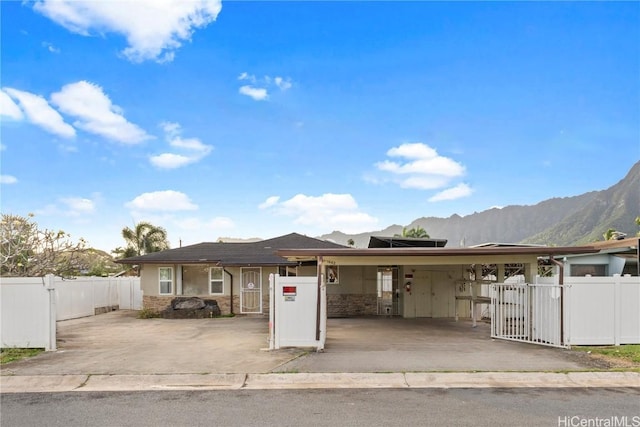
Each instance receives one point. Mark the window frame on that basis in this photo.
(170, 281)
(211, 281)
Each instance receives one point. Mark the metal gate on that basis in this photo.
(251, 290)
(529, 313)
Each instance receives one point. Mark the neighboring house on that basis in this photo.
(614, 257)
(236, 275)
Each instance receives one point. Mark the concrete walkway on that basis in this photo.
(86, 383)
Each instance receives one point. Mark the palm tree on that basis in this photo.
(144, 238)
(417, 232)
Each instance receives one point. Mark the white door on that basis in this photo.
(422, 293)
(442, 295)
(251, 290)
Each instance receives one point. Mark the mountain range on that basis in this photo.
(556, 222)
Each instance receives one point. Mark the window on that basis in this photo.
(589, 269)
(216, 280)
(165, 274)
(288, 270)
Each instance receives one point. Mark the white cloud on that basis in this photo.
(8, 179)
(192, 149)
(271, 201)
(419, 167)
(246, 76)
(96, 114)
(421, 159)
(169, 161)
(416, 150)
(154, 29)
(76, 206)
(457, 192)
(168, 200)
(50, 47)
(259, 94)
(259, 87)
(283, 84)
(326, 212)
(8, 108)
(40, 113)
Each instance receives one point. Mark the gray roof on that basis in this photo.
(234, 254)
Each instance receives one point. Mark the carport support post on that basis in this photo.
(321, 313)
(272, 301)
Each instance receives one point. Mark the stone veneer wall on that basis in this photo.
(159, 303)
(346, 305)
(338, 305)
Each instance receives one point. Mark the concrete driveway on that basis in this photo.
(382, 344)
(119, 343)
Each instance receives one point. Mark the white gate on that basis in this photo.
(530, 313)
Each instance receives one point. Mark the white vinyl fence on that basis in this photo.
(602, 310)
(582, 311)
(28, 313)
(87, 296)
(30, 306)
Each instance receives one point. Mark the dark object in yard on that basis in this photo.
(191, 308)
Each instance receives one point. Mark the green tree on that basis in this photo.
(143, 239)
(28, 251)
(417, 232)
(608, 235)
(351, 242)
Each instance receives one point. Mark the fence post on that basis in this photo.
(616, 309)
(49, 282)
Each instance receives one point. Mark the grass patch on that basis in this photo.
(628, 352)
(8, 355)
(147, 313)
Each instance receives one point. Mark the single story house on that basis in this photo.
(236, 275)
(394, 276)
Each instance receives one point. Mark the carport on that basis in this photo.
(437, 283)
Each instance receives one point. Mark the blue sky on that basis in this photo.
(256, 119)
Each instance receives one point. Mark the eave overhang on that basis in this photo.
(408, 256)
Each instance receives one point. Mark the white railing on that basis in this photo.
(530, 313)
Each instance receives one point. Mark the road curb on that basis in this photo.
(411, 380)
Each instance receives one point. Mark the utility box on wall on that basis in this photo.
(295, 319)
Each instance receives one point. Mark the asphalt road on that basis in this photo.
(333, 407)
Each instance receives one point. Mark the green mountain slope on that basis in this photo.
(558, 221)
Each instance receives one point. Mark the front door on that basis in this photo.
(251, 290)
